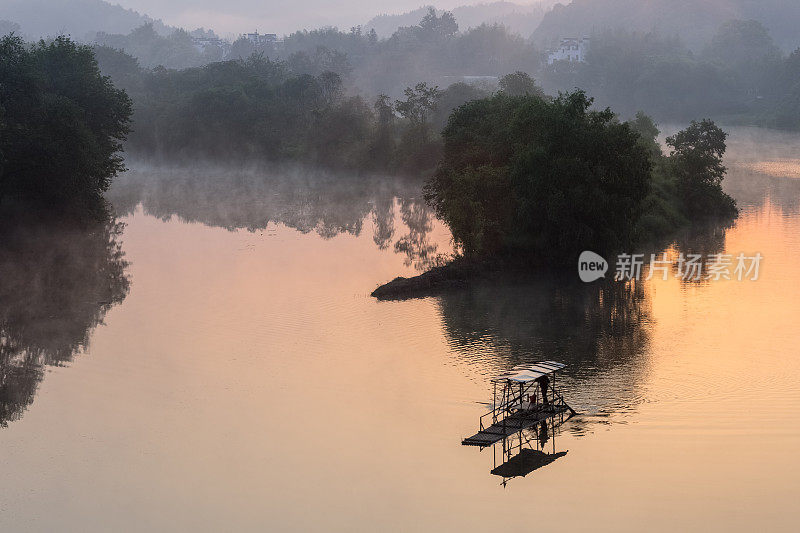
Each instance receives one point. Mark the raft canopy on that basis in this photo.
(530, 372)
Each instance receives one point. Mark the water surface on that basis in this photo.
(231, 372)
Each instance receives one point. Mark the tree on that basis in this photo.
(435, 28)
(7, 27)
(786, 109)
(648, 132)
(322, 59)
(452, 97)
(151, 49)
(742, 42)
(382, 145)
(416, 146)
(520, 84)
(331, 87)
(383, 108)
(538, 178)
(745, 47)
(418, 105)
(63, 125)
(242, 48)
(697, 162)
(122, 68)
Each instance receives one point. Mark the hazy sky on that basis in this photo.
(274, 16)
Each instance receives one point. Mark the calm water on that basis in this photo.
(218, 364)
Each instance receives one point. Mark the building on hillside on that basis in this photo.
(258, 39)
(571, 49)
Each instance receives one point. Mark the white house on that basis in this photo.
(571, 49)
(261, 39)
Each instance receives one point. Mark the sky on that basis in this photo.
(273, 16)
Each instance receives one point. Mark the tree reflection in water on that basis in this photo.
(599, 330)
(417, 247)
(56, 285)
(306, 200)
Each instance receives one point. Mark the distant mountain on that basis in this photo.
(79, 18)
(521, 19)
(694, 21)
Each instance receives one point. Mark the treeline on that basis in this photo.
(259, 109)
(516, 171)
(433, 51)
(740, 76)
(263, 109)
(151, 48)
(62, 125)
(693, 21)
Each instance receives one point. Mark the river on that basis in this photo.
(215, 362)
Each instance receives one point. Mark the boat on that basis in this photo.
(522, 397)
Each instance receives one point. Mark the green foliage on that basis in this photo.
(648, 133)
(745, 48)
(452, 97)
(433, 27)
(321, 59)
(416, 143)
(527, 175)
(62, 125)
(418, 105)
(629, 71)
(544, 179)
(122, 68)
(152, 49)
(742, 43)
(382, 147)
(261, 109)
(520, 84)
(426, 51)
(686, 185)
(694, 21)
(785, 111)
(696, 161)
(487, 49)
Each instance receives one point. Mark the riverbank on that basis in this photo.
(454, 274)
(461, 272)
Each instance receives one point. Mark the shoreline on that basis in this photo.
(455, 274)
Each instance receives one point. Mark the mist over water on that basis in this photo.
(217, 362)
(198, 201)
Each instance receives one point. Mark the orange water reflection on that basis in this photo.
(248, 382)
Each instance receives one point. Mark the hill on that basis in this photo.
(521, 19)
(79, 18)
(695, 22)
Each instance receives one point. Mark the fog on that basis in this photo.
(244, 276)
(226, 18)
(274, 16)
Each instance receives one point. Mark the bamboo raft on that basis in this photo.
(523, 397)
(511, 424)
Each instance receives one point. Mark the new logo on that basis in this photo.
(591, 266)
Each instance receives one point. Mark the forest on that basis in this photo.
(738, 75)
(514, 167)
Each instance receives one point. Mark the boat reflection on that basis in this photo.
(57, 283)
(527, 450)
(599, 331)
